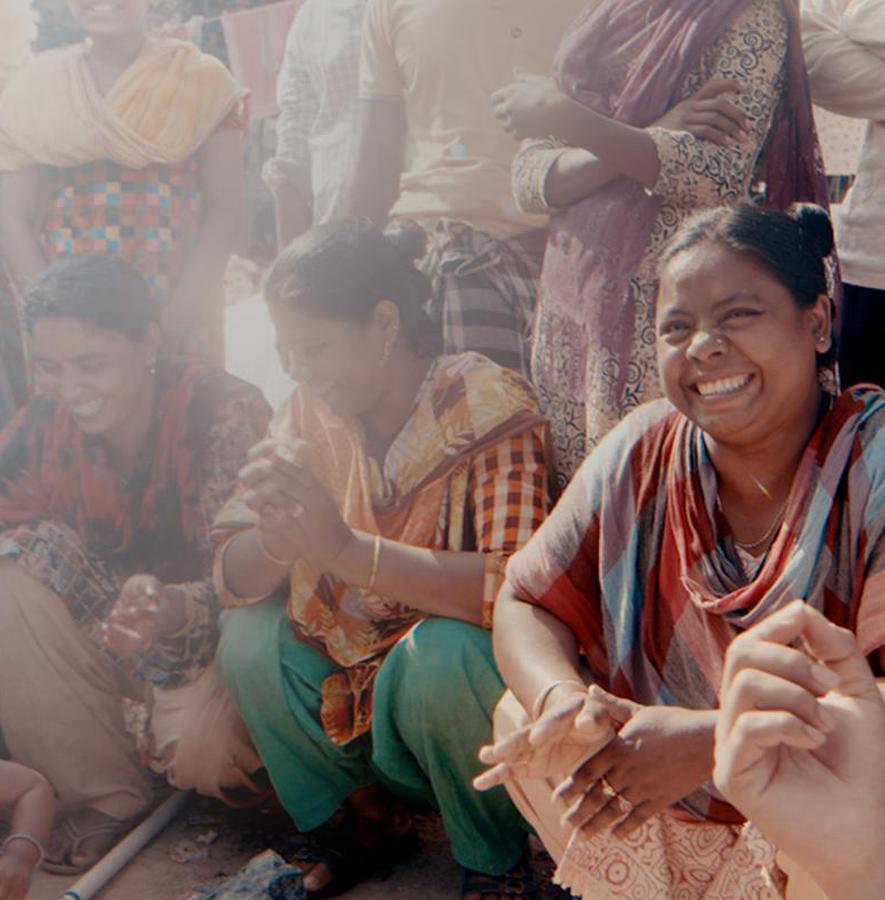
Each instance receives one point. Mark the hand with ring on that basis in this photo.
(627, 782)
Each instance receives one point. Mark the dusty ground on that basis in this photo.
(430, 875)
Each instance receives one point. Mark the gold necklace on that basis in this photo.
(755, 545)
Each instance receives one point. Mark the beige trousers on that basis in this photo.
(60, 709)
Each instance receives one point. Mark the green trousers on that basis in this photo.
(433, 704)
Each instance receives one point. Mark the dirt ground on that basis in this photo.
(431, 874)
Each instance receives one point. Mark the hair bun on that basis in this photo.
(407, 237)
(816, 227)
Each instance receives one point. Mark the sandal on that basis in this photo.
(104, 833)
(349, 866)
(518, 882)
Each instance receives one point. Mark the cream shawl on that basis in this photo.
(160, 110)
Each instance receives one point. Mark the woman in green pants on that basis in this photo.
(364, 549)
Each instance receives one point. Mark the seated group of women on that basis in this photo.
(357, 543)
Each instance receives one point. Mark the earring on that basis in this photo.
(822, 339)
(388, 348)
(152, 366)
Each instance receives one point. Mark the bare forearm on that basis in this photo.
(576, 175)
(294, 214)
(628, 150)
(23, 255)
(533, 649)
(31, 798)
(247, 571)
(373, 184)
(437, 582)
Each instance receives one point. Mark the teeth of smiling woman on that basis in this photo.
(722, 386)
(87, 409)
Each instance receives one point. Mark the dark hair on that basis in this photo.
(792, 246)
(97, 288)
(343, 268)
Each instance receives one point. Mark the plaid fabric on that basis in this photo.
(474, 440)
(484, 292)
(508, 496)
(640, 566)
(148, 216)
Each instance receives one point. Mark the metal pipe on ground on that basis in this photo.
(123, 853)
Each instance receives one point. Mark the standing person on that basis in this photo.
(845, 48)
(619, 184)
(698, 516)
(132, 145)
(364, 549)
(109, 480)
(317, 95)
(429, 148)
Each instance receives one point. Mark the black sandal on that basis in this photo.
(355, 863)
(518, 882)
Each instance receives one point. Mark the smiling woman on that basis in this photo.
(697, 517)
(108, 480)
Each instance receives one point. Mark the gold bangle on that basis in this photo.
(285, 563)
(376, 555)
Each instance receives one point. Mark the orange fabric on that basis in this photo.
(466, 410)
(160, 110)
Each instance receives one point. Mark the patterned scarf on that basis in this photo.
(634, 558)
(466, 405)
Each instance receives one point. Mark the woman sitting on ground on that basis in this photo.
(697, 517)
(109, 481)
(365, 545)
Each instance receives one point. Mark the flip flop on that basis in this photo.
(75, 836)
(518, 883)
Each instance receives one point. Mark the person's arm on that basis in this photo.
(31, 798)
(697, 172)
(373, 184)
(287, 174)
(437, 582)
(201, 283)
(377, 165)
(556, 172)
(20, 243)
(846, 59)
(800, 740)
(175, 642)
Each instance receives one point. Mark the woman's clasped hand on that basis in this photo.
(297, 517)
(602, 756)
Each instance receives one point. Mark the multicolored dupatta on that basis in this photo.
(467, 404)
(634, 560)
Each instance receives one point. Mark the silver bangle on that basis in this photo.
(27, 838)
(541, 699)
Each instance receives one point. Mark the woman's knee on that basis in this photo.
(440, 660)
(244, 642)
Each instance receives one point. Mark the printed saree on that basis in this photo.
(466, 404)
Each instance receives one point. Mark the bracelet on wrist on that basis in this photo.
(25, 838)
(541, 699)
(276, 560)
(376, 556)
